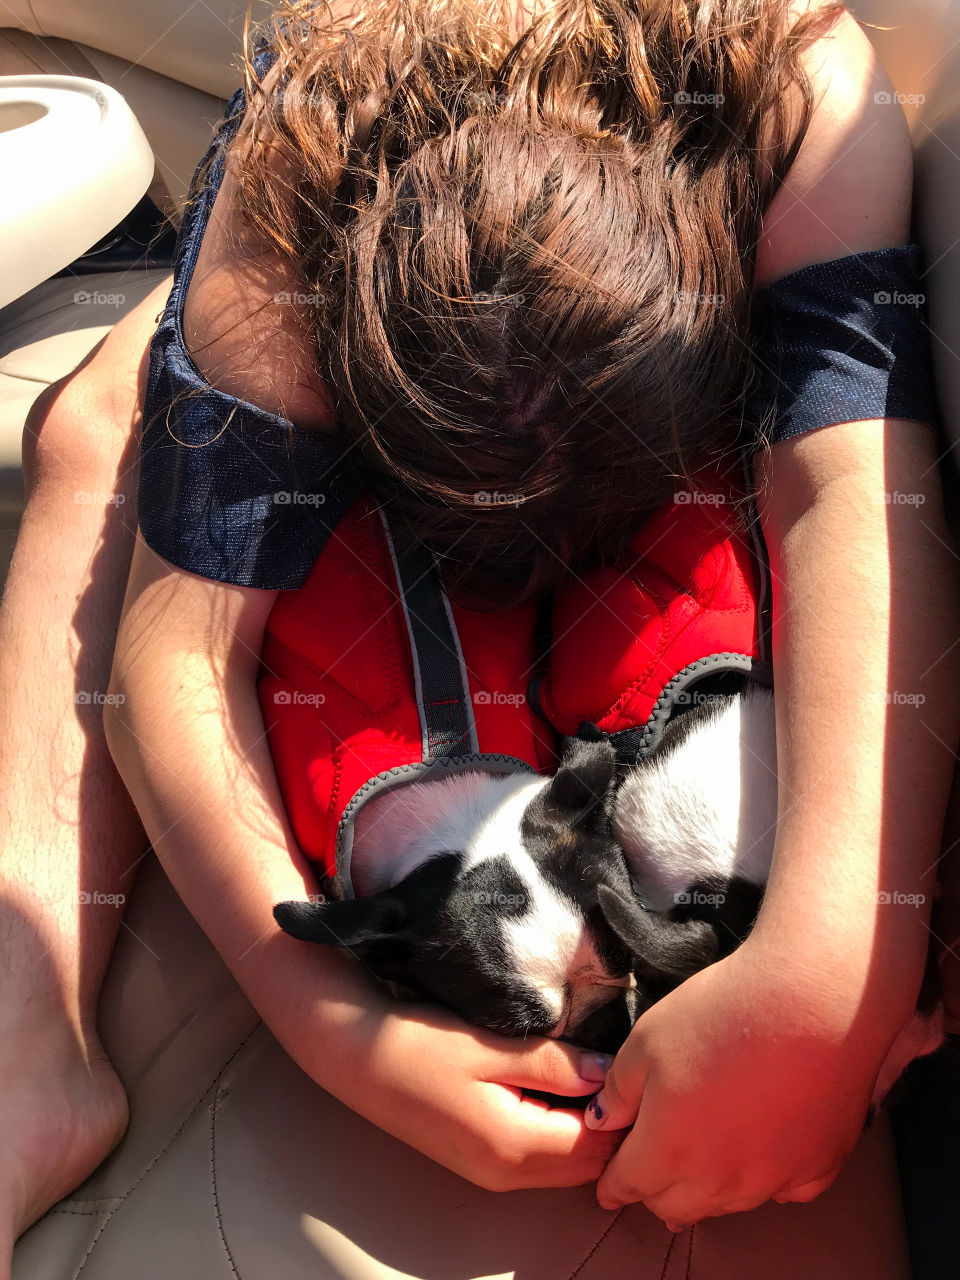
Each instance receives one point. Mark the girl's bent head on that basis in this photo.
(529, 259)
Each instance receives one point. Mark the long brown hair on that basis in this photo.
(530, 258)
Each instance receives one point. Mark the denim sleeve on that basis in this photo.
(227, 490)
(230, 492)
(843, 341)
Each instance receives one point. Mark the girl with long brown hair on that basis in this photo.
(528, 264)
(440, 250)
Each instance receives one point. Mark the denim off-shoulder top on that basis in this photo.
(233, 493)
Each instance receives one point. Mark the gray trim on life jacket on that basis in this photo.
(474, 740)
(402, 775)
(635, 744)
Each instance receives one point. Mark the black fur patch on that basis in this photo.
(730, 907)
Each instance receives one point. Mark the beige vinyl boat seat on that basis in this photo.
(235, 1165)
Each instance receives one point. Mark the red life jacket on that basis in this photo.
(372, 677)
(689, 601)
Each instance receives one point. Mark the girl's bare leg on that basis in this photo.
(70, 838)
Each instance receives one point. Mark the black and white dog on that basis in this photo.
(566, 906)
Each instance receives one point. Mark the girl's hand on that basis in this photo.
(742, 1085)
(456, 1093)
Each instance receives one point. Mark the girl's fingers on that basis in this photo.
(548, 1147)
(625, 1181)
(550, 1067)
(617, 1103)
(686, 1203)
(680, 1203)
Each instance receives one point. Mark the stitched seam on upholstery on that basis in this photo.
(597, 1243)
(693, 1228)
(213, 1176)
(160, 1154)
(118, 1200)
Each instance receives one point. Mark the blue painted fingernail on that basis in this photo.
(595, 1108)
(594, 1066)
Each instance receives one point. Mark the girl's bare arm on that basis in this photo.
(792, 1028)
(866, 601)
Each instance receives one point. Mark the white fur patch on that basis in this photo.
(470, 813)
(706, 808)
(549, 942)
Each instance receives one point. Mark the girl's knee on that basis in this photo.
(83, 428)
(73, 433)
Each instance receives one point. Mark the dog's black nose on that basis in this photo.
(604, 1030)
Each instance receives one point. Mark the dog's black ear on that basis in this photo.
(583, 781)
(356, 923)
(668, 948)
(385, 923)
(590, 732)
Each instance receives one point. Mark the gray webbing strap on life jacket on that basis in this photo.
(440, 674)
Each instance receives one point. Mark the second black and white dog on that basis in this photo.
(566, 906)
